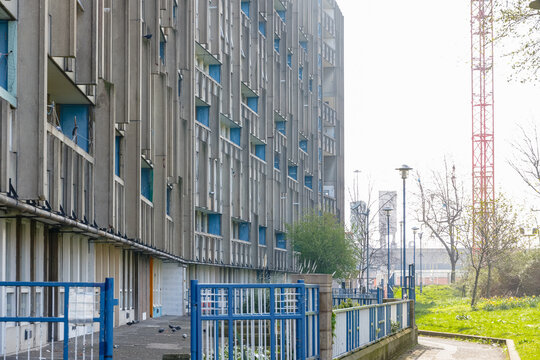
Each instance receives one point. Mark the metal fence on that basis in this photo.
(374, 296)
(56, 320)
(254, 321)
(360, 326)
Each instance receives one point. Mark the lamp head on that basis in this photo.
(535, 4)
(420, 235)
(404, 170)
(387, 210)
(415, 229)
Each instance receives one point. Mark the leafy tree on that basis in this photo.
(517, 23)
(441, 210)
(321, 241)
(526, 160)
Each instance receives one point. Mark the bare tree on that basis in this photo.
(518, 29)
(496, 233)
(527, 159)
(441, 210)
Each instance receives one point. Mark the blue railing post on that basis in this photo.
(66, 322)
(194, 310)
(302, 322)
(102, 322)
(110, 302)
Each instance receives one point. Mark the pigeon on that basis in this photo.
(129, 323)
(178, 328)
(184, 336)
(161, 330)
(173, 330)
(171, 327)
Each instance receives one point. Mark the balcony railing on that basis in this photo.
(262, 259)
(169, 240)
(240, 253)
(329, 145)
(329, 115)
(280, 259)
(206, 87)
(329, 54)
(147, 221)
(208, 248)
(279, 25)
(329, 204)
(252, 118)
(119, 206)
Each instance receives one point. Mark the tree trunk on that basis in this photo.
(453, 273)
(488, 287)
(475, 288)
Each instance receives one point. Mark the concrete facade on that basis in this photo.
(161, 141)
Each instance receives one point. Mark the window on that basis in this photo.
(245, 7)
(310, 84)
(147, 183)
(117, 144)
(74, 124)
(304, 45)
(262, 235)
(253, 103)
(240, 230)
(308, 181)
(214, 224)
(162, 51)
(281, 242)
(281, 14)
(215, 72)
(169, 192)
(293, 172)
(303, 145)
(280, 126)
(235, 135)
(276, 161)
(276, 44)
(300, 72)
(4, 53)
(289, 59)
(262, 27)
(260, 151)
(203, 114)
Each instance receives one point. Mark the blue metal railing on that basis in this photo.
(275, 321)
(71, 304)
(374, 296)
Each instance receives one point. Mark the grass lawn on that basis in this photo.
(441, 308)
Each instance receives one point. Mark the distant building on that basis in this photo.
(387, 199)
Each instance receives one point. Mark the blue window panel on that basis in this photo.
(293, 172)
(320, 155)
(303, 44)
(117, 155)
(310, 84)
(243, 231)
(174, 10)
(203, 115)
(253, 103)
(262, 235)
(276, 161)
(260, 151)
(147, 183)
(262, 27)
(162, 51)
(245, 7)
(281, 242)
(215, 72)
(235, 135)
(280, 126)
(276, 44)
(303, 145)
(179, 85)
(320, 123)
(169, 191)
(74, 124)
(282, 15)
(289, 59)
(308, 181)
(214, 224)
(300, 72)
(4, 53)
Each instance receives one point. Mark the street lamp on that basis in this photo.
(388, 210)
(535, 5)
(421, 279)
(404, 170)
(414, 229)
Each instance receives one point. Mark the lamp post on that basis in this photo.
(404, 170)
(421, 279)
(388, 210)
(535, 5)
(414, 229)
(366, 214)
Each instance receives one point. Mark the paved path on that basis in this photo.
(431, 348)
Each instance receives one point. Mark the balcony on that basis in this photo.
(240, 253)
(280, 259)
(329, 55)
(329, 115)
(119, 220)
(328, 24)
(279, 25)
(208, 248)
(329, 204)
(206, 87)
(262, 261)
(147, 222)
(252, 118)
(329, 145)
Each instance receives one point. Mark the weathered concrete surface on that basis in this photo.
(430, 348)
(385, 349)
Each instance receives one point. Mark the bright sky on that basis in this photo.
(408, 95)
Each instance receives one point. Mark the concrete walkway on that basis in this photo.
(431, 348)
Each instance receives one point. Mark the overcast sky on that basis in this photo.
(408, 95)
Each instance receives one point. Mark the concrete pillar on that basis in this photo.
(325, 309)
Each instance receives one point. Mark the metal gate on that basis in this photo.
(254, 321)
(56, 320)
